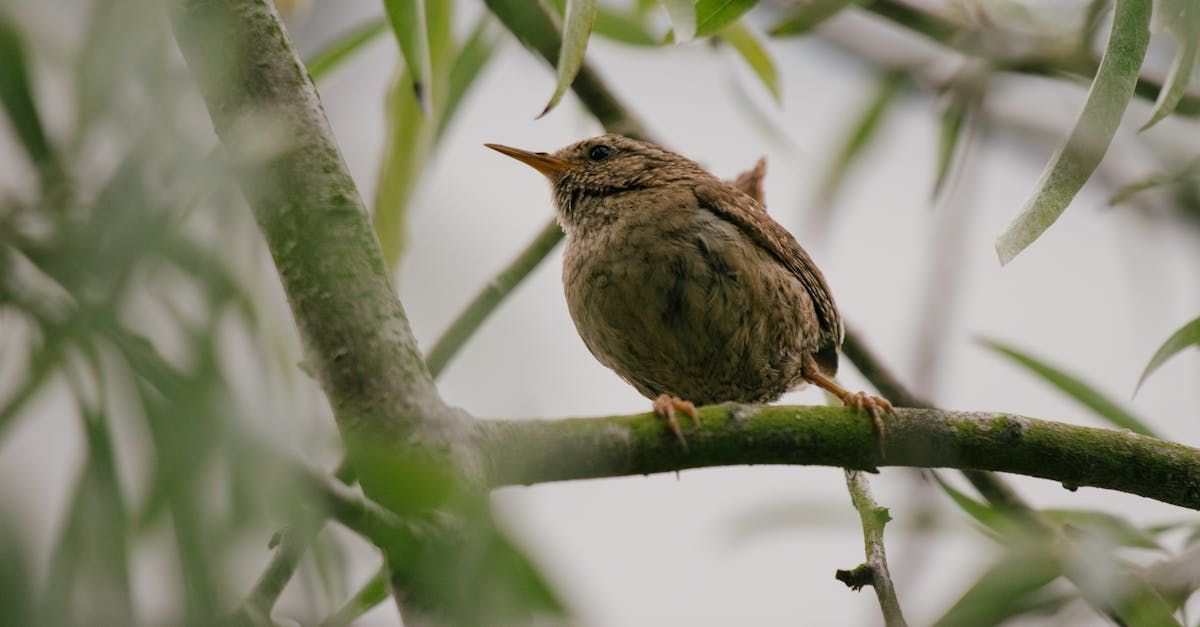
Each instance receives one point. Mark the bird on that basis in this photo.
(684, 285)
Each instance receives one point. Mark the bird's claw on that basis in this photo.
(874, 406)
(665, 407)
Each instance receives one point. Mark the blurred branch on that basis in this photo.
(535, 451)
(873, 572)
(1082, 64)
(357, 338)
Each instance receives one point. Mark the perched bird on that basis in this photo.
(683, 285)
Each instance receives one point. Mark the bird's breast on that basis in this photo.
(679, 301)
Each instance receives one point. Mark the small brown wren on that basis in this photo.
(683, 285)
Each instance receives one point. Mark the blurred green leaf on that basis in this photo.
(715, 15)
(1073, 164)
(861, 132)
(624, 28)
(809, 15)
(962, 105)
(343, 47)
(372, 593)
(756, 56)
(1113, 527)
(1190, 170)
(409, 23)
(1187, 335)
(1006, 588)
(1087, 395)
(989, 517)
(469, 61)
(16, 93)
(410, 137)
(1182, 18)
(534, 27)
(580, 15)
(683, 19)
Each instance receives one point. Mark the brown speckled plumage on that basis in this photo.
(680, 282)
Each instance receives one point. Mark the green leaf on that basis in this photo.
(1187, 36)
(16, 94)
(470, 60)
(714, 15)
(1115, 528)
(862, 131)
(1013, 581)
(624, 28)
(409, 24)
(683, 19)
(1187, 335)
(1190, 170)
(991, 518)
(1075, 388)
(809, 15)
(755, 55)
(1071, 167)
(343, 47)
(580, 15)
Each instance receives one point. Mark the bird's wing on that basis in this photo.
(742, 211)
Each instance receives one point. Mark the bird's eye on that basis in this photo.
(599, 153)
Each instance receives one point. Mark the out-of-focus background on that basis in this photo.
(154, 245)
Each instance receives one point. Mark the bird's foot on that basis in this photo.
(875, 406)
(665, 407)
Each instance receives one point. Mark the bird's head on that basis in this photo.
(601, 167)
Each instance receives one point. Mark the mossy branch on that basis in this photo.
(535, 451)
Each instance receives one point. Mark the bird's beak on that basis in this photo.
(548, 165)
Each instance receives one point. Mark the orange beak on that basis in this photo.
(548, 165)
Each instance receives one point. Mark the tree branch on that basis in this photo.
(873, 518)
(534, 451)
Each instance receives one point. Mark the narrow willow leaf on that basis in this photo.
(1072, 386)
(683, 19)
(469, 61)
(714, 15)
(1190, 170)
(809, 15)
(1117, 529)
(408, 22)
(16, 94)
(1070, 168)
(410, 136)
(755, 55)
(580, 16)
(343, 47)
(858, 138)
(950, 127)
(991, 518)
(624, 28)
(1187, 36)
(1187, 335)
(999, 594)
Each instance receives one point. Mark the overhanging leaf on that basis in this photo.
(1000, 593)
(809, 15)
(858, 138)
(1185, 27)
(1190, 170)
(755, 55)
(579, 17)
(1187, 335)
(343, 47)
(713, 15)
(1074, 163)
(16, 94)
(1073, 387)
(408, 22)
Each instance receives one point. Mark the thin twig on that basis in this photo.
(873, 518)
